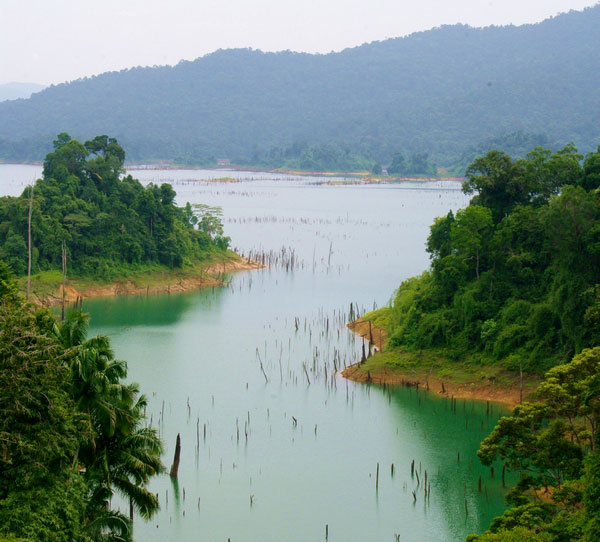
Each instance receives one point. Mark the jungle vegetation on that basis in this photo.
(514, 276)
(553, 444)
(108, 222)
(72, 432)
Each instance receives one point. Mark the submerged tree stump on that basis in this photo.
(175, 466)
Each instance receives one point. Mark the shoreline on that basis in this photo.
(419, 370)
(486, 390)
(153, 283)
(356, 177)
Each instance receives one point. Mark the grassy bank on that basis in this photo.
(144, 279)
(433, 369)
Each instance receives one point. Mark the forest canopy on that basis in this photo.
(514, 276)
(552, 444)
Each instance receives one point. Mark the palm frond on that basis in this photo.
(109, 526)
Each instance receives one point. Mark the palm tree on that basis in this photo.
(120, 453)
(96, 377)
(127, 459)
(107, 526)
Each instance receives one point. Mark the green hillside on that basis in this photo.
(451, 92)
(514, 276)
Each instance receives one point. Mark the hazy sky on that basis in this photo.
(51, 41)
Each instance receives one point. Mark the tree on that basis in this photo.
(591, 498)
(8, 286)
(591, 171)
(121, 454)
(398, 164)
(133, 457)
(14, 253)
(552, 444)
(470, 232)
(209, 219)
(108, 223)
(29, 241)
(68, 158)
(107, 165)
(107, 147)
(572, 227)
(544, 172)
(147, 207)
(572, 391)
(419, 164)
(95, 375)
(497, 183)
(41, 496)
(72, 433)
(61, 140)
(439, 242)
(518, 534)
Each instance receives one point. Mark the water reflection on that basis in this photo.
(151, 310)
(444, 433)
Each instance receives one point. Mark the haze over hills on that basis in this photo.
(14, 91)
(450, 92)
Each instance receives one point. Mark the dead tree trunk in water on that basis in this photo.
(175, 466)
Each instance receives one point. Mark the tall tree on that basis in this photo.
(470, 233)
(496, 182)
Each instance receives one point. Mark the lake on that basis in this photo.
(275, 445)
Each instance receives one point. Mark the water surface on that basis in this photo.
(287, 453)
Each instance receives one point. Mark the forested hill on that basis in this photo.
(514, 276)
(106, 224)
(443, 91)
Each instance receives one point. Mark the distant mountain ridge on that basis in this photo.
(14, 91)
(441, 91)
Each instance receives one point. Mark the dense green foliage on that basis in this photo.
(105, 221)
(415, 164)
(516, 144)
(332, 157)
(553, 445)
(72, 433)
(39, 491)
(514, 276)
(445, 92)
(315, 157)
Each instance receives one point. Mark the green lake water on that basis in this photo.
(289, 458)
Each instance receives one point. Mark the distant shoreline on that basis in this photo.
(363, 177)
(358, 177)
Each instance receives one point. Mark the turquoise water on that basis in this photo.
(304, 475)
(292, 453)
